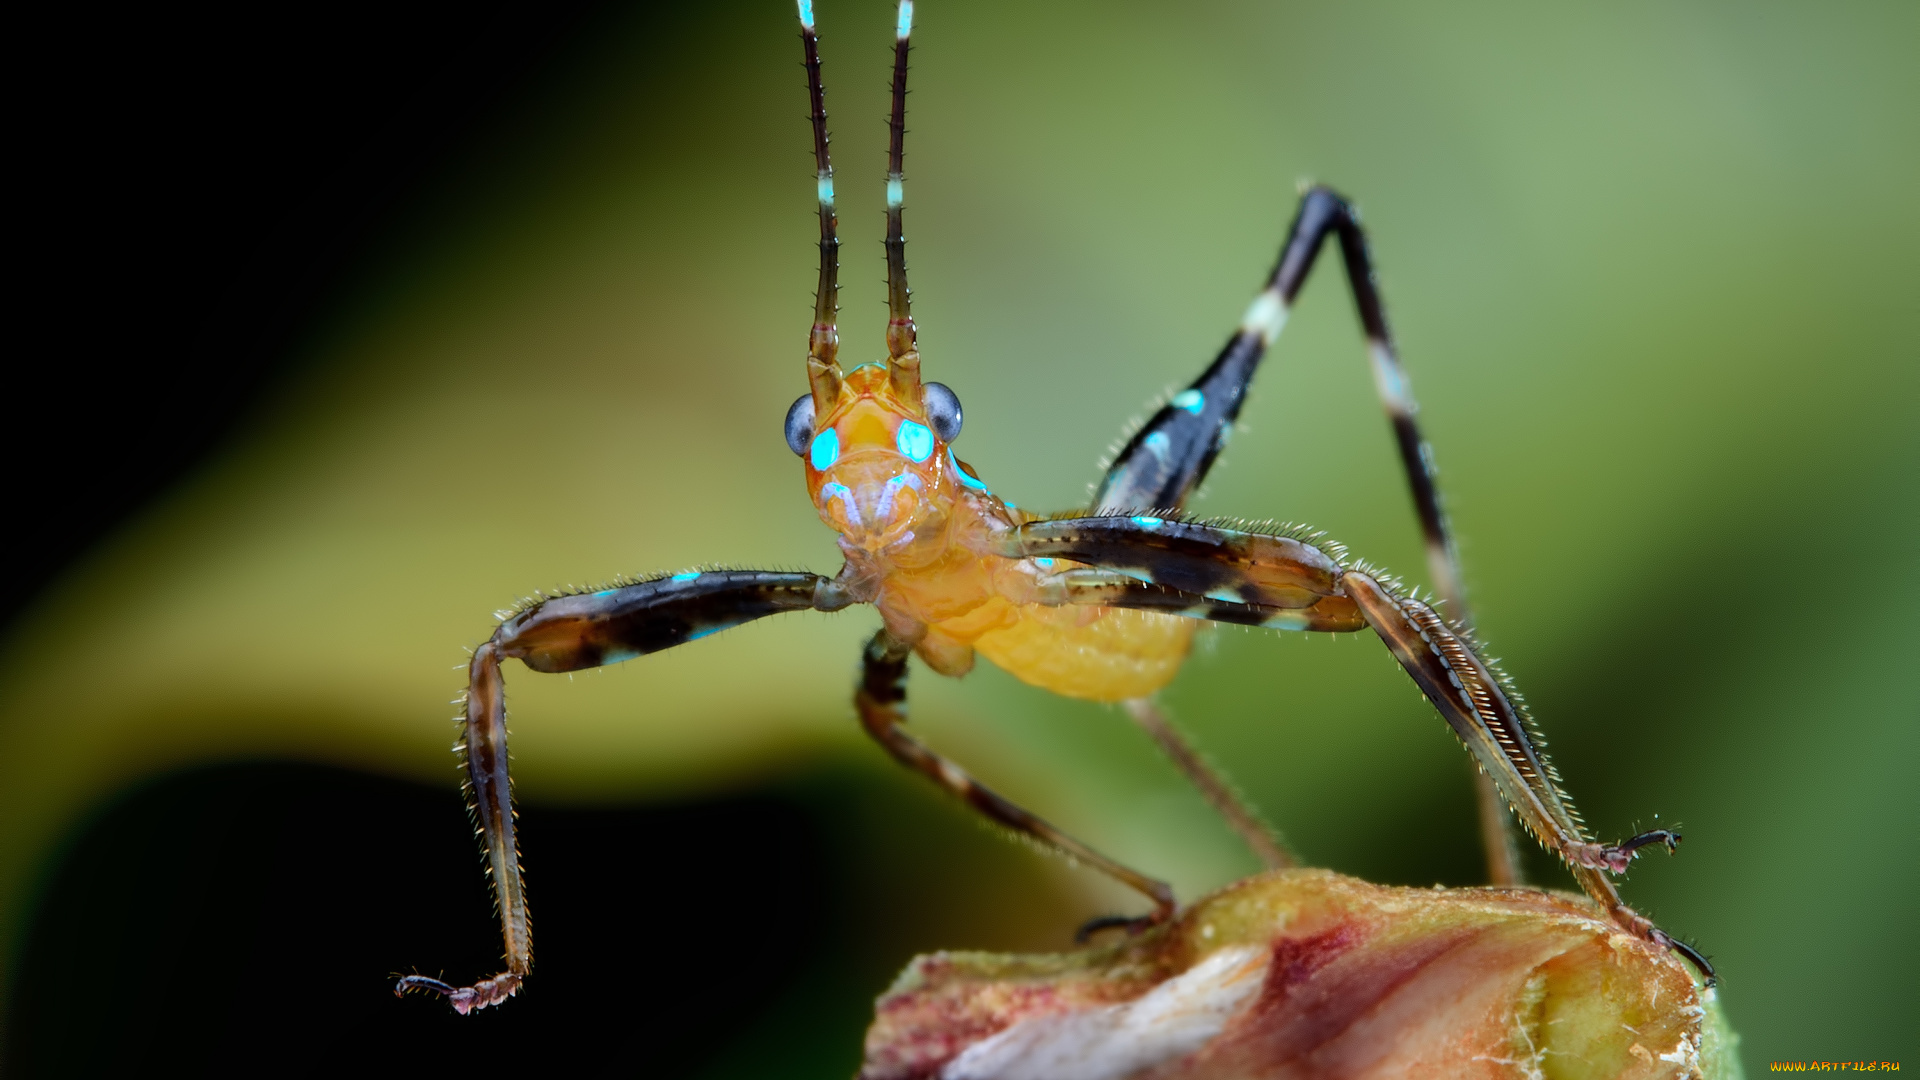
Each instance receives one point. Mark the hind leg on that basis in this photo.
(1163, 463)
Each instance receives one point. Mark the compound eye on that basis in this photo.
(943, 411)
(800, 424)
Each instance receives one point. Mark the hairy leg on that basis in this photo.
(1168, 458)
(569, 633)
(1259, 837)
(1206, 571)
(881, 701)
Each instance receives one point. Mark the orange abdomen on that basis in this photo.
(1095, 654)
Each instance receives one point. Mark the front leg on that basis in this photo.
(569, 633)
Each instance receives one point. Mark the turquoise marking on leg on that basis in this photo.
(806, 13)
(688, 576)
(965, 480)
(1149, 522)
(914, 440)
(826, 450)
(1288, 620)
(904, 27)
(604, 592)
(1191, 400)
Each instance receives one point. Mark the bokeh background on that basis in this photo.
(1653, 270)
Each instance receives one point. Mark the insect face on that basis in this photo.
(877, 465)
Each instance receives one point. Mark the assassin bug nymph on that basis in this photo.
(1101, 604)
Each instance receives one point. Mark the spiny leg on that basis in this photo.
(1284, 581)
(1165, 460)
(1323, 210)
(1259, 837)
(569, 633)
(881, 701)
(1476, 703)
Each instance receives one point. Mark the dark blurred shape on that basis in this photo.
(244, 920)
(196, 183)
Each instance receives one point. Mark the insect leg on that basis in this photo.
(1477, 705)
(1166, 459)
(569, 633)
(1230, 575)
(1324, 211)
(1259, 837)
(881, 701)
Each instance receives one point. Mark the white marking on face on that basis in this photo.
(844, 493)
(890, 494)
(1265, 316)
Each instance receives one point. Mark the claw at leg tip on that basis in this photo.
(464, 999)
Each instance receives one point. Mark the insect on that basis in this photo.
(1101, 604)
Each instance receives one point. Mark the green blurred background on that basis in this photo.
(1652, 266)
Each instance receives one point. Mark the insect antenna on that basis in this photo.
(823, 344)
(903, 354)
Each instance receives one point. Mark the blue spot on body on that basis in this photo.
(707, 632)
(617, 656)
(965, 480)
(688, 576)
(1191, 400)
(1149, 522)
(1044, 564)
(1157, 443)
(826, 449)
(604, 592)
(914, 440)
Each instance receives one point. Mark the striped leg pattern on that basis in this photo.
(1273, 579)
(570, 633)
(1167, 458)
(881, 701)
